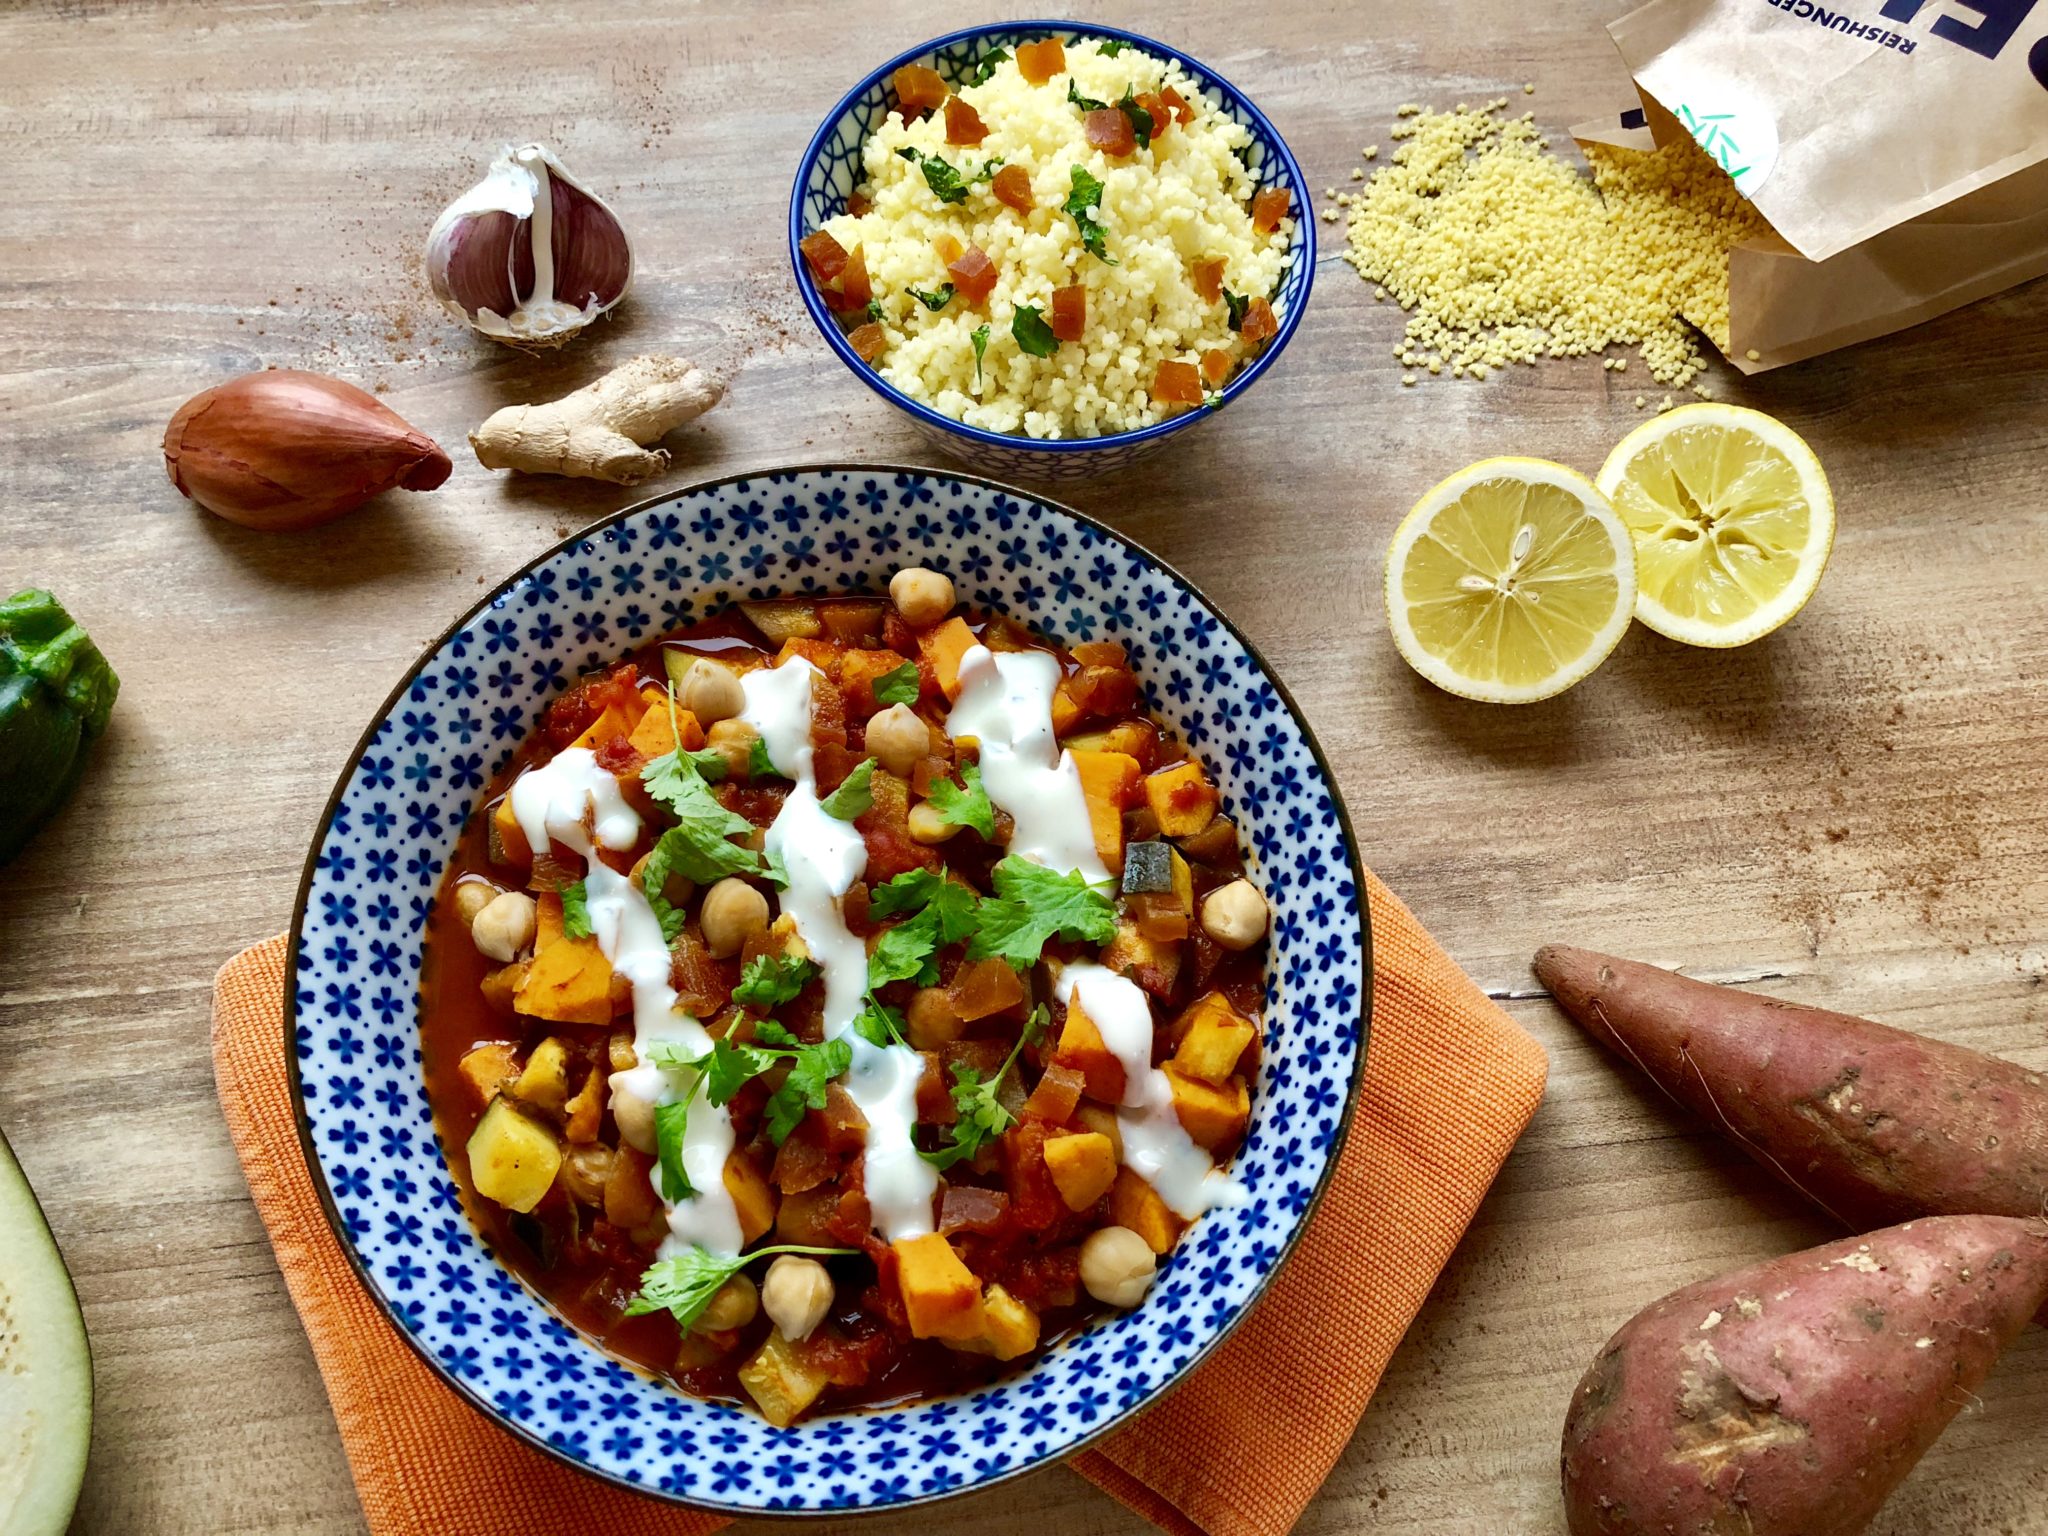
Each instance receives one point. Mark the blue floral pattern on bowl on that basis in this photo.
(831, 168)
(378, 857)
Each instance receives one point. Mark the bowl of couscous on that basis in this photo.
(1052, 246)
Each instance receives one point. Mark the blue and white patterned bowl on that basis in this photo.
(378, 856)
(831, 168)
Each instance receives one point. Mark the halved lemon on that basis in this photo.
(1732, 519)
(1510, 581)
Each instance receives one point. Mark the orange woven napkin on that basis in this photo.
(1450, 1083)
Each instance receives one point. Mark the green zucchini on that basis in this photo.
(45, 1369)
(1148, 869)
(56, 692)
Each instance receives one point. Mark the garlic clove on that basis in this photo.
(529, 255)
(285, 449)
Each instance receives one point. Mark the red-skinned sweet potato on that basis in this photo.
(1873, 1124)
(1790, 1398)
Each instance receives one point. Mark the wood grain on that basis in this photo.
(1853, 808)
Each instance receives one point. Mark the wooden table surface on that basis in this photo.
(1852, 811)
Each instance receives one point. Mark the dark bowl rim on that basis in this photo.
(1304, 215)
(474, 1397)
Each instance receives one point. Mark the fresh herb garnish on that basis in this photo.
(1110, 47)
(853, 796)
(964, 807)
(576, 911)
(666, 1053)
(773, 870)
(1237, 304)
(1085, 103)
(730, 1067)
(945, 914)
(1031, 333)
(811, 1070)
(985, 66)
(1083, 205)
(685, 1282)
(934, 301)
(770, 1032)
(874, 312)
(899, 685)
(671, 1121)
(769, 981)
(980, 339)
(1141, 120)
(1031, 904)
(982, 1116)
(879, 1024)
(759, 765)
(945, 179)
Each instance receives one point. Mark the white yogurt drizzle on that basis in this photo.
(1156, 1146)
(576, 803)
(823, 857)
(1005, 704)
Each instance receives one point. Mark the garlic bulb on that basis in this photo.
(528, 255)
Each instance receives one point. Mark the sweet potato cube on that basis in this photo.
(1081, 1047)
(1212, 1115)
(859, 671)
(655, 736)
(583, 1114)
(1135, 1204)
(780, 1381)
(1213, 1042)
(1066, 710)
(1133, 738)
(1182, 798)
(544, 1083)
(1109, 781)
(984, 987)
(1101, 1119)
(941, 1297)
(513, 1158)
(629, 1198)
(568, 980)
(1011, 1327)
(1153, 964)
(608, 726)
(487, 1068)
(500, 988)
(508, 840)
(1083, 1166)
(752, 1196)
(944, 647)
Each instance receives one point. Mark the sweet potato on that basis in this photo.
(1871, 1123)
(1790, 1398)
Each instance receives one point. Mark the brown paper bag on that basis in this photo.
(1898, 147)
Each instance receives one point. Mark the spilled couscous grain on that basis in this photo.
(1503, 252)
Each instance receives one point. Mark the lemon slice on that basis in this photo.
(1732, 519)
(1510, 581)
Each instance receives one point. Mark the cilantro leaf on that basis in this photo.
(1237, 304)
(730, 1067)
(968, 807)
(947, 184)
(906, 951)
(1031, 904)
(670, 1123)
(919, 890)
(1141, 120)
(773, 870)
(1032, 334)
(934, 301)
(900, 685)
(666, 1053)
(853, 796)
(699, 847)
(710, 765)
(684, 1283)
(985, 66)
(811, 1071)
(759, 764)
(879, 1025)
(769, 981)
(1085, 103)
(982, 1116)
(1084, 206)
(874, 313)
(576, 911)
(770, 1032)
(1110, 47)
(980, 339)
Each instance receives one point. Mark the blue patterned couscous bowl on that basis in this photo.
(391, 827)
(832, 168)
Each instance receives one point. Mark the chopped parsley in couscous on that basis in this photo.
(1065, 246)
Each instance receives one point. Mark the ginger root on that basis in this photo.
(605, 430)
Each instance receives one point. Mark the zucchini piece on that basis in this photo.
(56, 692)
(783, 619)
(45, 1369)
(513, 1159)
(1148, 869)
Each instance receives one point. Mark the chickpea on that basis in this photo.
(796, 1295)
(504, 929)
(1117, 1266)
(923, 597)
(471, 897)
(586, 1171)
(928, 826)
(676, 890)
(619, 1051)
(635, 1117)
(732, 1306)
(734, 741)
(1235, 915)
(733, 912)
(711, 692)
(899, 739)
(930, 1020)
